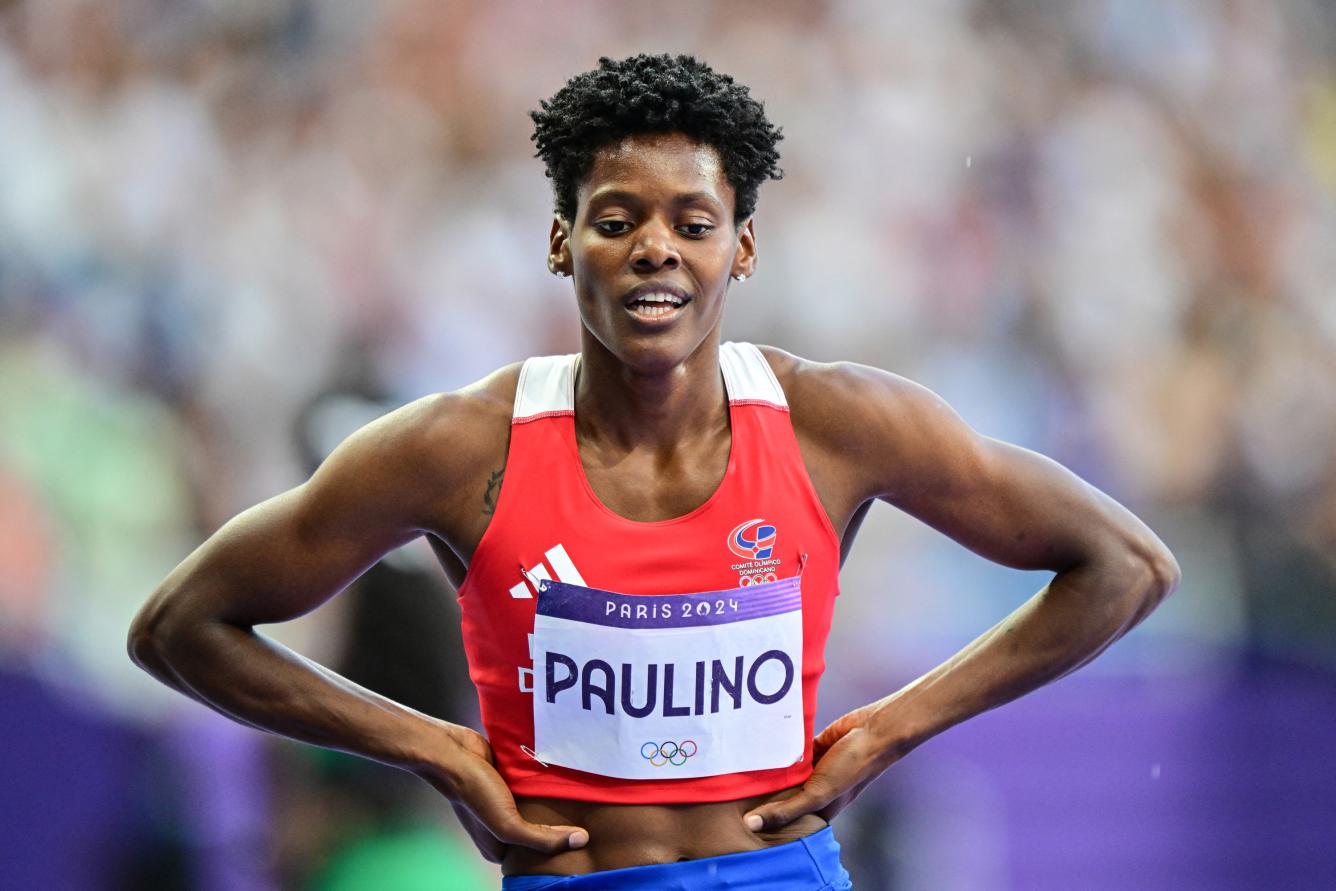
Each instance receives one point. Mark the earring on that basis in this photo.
(740, 277)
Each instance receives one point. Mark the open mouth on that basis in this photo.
(657, 305)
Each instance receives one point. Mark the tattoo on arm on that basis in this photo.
(493, 490)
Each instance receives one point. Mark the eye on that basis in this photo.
(703, 229)
(602, 226)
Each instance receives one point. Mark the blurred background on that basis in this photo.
(232, 231)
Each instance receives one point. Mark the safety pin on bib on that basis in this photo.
(537, 586)
(535, 580)
(534, 755)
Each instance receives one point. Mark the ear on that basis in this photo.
(744, 260)
(559, 247)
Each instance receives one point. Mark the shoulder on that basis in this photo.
(809, 381)
(459, 423)
(844, 392)
(468, 419)
(886, 428)
(427, 453)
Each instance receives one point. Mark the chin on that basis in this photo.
(651, 354)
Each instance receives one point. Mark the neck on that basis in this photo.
(630, 408)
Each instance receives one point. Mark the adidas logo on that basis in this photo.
(556, 563)
(562, 568)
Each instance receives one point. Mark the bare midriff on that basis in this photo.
(622, 835)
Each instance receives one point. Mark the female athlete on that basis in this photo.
(645, 537)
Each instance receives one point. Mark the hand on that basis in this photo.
(484, 804)
(846, 756)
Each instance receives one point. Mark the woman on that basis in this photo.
(646, 537)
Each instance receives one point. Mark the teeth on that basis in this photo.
(661, 309)
(660, 298)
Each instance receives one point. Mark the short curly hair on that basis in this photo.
(655, 94)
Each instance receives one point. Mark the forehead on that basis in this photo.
(657, 166)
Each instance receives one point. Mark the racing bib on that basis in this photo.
(666, 686)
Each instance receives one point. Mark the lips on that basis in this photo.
(656, 293)
(656, 303)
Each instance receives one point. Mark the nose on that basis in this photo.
(654, 248)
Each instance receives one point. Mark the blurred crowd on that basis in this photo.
(230, 232)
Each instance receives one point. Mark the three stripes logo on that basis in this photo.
(556, 564)
(562, 568)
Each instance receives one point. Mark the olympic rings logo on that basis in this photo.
(676, 754)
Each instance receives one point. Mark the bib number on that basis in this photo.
(668, 686)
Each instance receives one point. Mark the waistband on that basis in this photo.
(811, 863)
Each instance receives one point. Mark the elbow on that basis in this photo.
(1137, 572)
(1167, 573)
(169, 633)
(1160, 566)
(150, 633)
(1157, 571)
(142, 643)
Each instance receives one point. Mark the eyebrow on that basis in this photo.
(632, 198)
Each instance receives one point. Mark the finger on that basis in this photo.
(815, 794)
(822, 742)
(834, 732)
(496, 809)
(841, 801)
(539, 836)
(821, 745)
(478, 787)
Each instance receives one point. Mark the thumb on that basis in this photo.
(515, 830)
(810, 798)
(491, 802)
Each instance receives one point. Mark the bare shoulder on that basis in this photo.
(882, 428)
(468, 424)
(384, 485)
(463, 421)
(897, 440)
(833, 388)
(429, 455)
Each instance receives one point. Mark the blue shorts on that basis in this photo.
(811, 863)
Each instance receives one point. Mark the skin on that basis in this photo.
(652, 429)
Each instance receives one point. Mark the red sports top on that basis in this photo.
(552, 538)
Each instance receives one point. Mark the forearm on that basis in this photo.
(1067, 624)
(257, 681)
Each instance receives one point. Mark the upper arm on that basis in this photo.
(381, 488)
(1016, 507)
